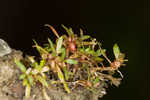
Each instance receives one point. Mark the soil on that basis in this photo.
(11, 87)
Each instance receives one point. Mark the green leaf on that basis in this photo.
(63, 55)
(96, 80)
(36, 44)
(68, 30)
(116, 51)
(39, 48)
(98, 52)
(85, 37)
(92, 53)
(71, 61)
(66, 73)
(59, 45)
(60, 74)
(89, 74)
(103, 51)
(66, 87)
(42, 63)
(82, 50)
(22, 76)
(25, 82)
(36, 65)
(47, 48)
(99, 59)
(20, 65)
(62, 79)
(42, 80)
(51, 45)
(30, 78)
(88, 49)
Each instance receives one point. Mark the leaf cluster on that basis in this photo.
(73, 61)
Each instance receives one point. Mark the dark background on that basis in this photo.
(126, 22)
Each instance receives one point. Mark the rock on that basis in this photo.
(4, 48)
(8, 68)
(10, 89)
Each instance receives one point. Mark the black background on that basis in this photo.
(126, 22)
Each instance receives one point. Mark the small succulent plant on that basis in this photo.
(72, 61)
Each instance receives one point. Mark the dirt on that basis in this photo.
(11, 87)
